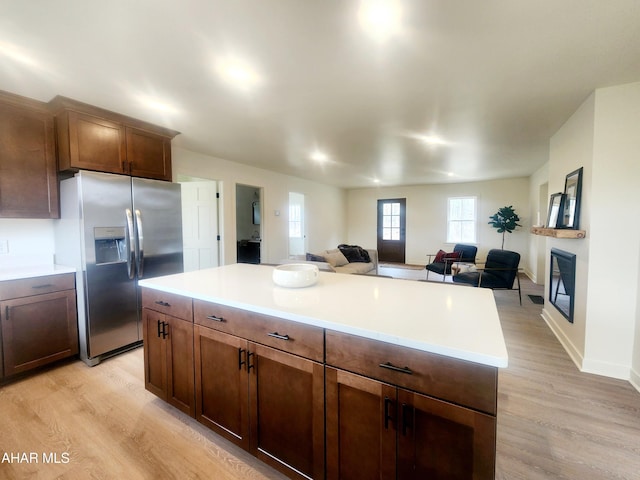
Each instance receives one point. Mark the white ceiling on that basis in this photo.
(494, 78)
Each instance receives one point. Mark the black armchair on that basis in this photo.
(467, 255)
(499, 273)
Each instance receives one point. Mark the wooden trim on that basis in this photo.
(558, 232)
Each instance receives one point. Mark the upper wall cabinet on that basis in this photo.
(90, 138)
(28, 183)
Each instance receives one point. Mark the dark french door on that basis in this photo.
(392, 230)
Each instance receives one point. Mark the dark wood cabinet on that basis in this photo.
(264, 399)
(91, 138)
(316, 403)
(28, 173)
(222, 384)
(402, 434)
(418, 414)
(287, 411)
(168, 350)
(38, 318)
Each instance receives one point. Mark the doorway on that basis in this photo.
(392, 230)
(248, 223)
(200, 225)
(297, 236)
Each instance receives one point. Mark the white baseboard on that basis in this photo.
(635, 379)
(621, 372)
(573, 352)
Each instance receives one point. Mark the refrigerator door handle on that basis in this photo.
(131, 251)
(140, 241)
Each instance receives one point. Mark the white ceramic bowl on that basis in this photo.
(295, 275)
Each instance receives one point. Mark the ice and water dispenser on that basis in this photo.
(110, 245)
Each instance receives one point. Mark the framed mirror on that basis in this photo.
(562, 282)
(571, 209)
(555, 205)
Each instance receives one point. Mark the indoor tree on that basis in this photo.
(505, 220)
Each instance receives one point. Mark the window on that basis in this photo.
(461, 220)
(391, 221)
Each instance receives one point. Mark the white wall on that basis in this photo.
(602, 136)
(30, 241)
(571, 148)
(538, 208)
(325, 205)
(612, 301)
(427, 215)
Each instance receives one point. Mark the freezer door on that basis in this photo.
(110, 295)
(158, 223)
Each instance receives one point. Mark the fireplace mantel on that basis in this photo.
(558, 232)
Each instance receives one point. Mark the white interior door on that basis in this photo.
(200, 225)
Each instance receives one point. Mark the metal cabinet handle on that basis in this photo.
(391, 366)
(162, 304)
(240, 356)
(159, 329)
(407, 418)
(278, 336)
(249, 364)
(44, 285)
(165, 329)
(387, 404)
(216, 319)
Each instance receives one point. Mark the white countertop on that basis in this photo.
(30, 271)
(460, 322)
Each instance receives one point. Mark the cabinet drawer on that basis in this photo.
(25, 287)
(299, 339)
(168, 303)
(458, 381)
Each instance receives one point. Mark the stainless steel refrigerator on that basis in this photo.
(115, 230)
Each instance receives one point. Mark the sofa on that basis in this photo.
(344, 259)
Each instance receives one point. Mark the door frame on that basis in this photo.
(392, 250)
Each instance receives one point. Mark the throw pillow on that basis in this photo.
(451, 257)
(439, 256)
(335, 258)
(355, 253)
(311, 257)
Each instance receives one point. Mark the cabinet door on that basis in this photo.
(28, 181)
(440, 440)
(96, 144)
(222, 384)
(155, 353)
(38, 330)
(287, 411)
(361, 427)
(180, 374)
(148, 154)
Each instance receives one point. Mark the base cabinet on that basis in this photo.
(402, 434)
(38, 318)
(265, 400)
(168, 359)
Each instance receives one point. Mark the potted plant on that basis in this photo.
(505, 220)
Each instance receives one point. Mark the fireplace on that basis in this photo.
(562, 282)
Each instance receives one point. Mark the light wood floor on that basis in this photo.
(553, 421)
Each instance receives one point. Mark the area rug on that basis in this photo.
(537, 299)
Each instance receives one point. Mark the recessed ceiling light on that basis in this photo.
(433, 140)
(380, 18)
(237, 72)
(319, 156)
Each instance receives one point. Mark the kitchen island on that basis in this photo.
(397, 378)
